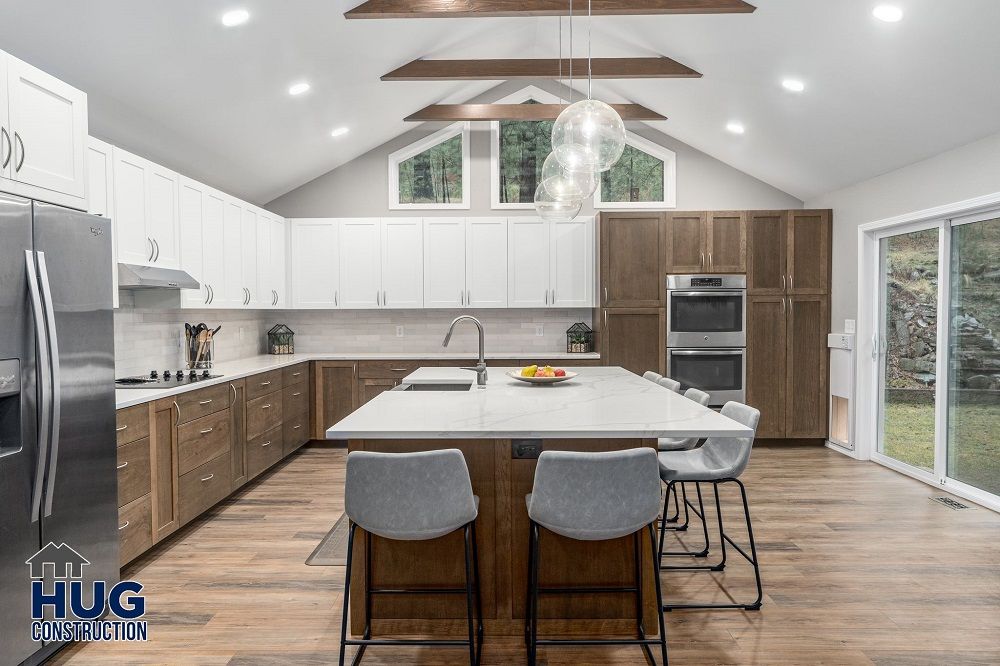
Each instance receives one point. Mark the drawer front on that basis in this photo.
(135, 528)
(133, 423)
(197, 404)
(264, 450)
(296, 432)
(294, 400)
(264, 383)
(202, 440)
(296, 374)
(388, 369)
(263, 414)
(133, 471)
(203, 486)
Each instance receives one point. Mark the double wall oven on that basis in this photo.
(706, 334)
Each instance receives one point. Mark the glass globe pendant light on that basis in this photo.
(549, 208)
(564, 184)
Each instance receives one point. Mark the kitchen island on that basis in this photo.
(501, 428)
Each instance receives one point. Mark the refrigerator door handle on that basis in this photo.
(42, 372)
(56, 392)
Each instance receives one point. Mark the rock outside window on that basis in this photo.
(280, 340)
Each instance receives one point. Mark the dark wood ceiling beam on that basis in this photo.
(391, 9)
(543, 68)
(457, 112)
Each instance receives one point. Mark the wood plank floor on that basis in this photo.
(859, 567)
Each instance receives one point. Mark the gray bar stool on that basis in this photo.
(668, 383)
(719, 460)
(683, 444)
(411, 497)
(594, 497)
(651, 376)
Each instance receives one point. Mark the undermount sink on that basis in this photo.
(433, 387)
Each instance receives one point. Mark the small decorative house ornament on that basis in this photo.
(280, 340)
(579, 339)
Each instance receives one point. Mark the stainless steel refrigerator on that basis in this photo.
(57, 406)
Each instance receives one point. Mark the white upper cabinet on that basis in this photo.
(315, 263)
(146, 221)
(571, 283)
(279, 262)
(528, 262)
(43, 139)
(101, 196)
(270, 260)
(249, 267)
(201, 212)
(444, 262)
(551, 264)
(486, 262)
(360, 263)
(402, 262)
(232, 256)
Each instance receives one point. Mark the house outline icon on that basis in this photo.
(63, 560)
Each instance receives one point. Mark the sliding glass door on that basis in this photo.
(973, 434)
(908, 267)
(938, 382)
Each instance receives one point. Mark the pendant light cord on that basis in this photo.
(570, 51)
(590, 72)
(561, 84)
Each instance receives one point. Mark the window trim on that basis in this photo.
(669, 158)
(519, 97)
(455, 129)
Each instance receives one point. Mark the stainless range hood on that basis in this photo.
(134, 276)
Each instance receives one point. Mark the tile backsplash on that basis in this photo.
(152, 338)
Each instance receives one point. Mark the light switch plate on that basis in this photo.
(849, 326)
(399, 331)
(539, 330)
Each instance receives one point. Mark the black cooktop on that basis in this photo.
(167, 378)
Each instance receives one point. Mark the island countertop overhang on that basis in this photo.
(601, 402)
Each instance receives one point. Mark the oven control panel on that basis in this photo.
(706, 282)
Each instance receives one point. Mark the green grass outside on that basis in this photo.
(974, 444)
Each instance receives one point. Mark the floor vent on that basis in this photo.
(950, 503)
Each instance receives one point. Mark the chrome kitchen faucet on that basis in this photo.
(480, 368)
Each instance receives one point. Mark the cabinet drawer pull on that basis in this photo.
(123, 465)
(296, 374)
(265, 383)
(266, 444)
(121, 527)
(296, 427)
(297, 394)
(265, 406)
(399, 369)
(205, 402)
(208, 478)
(206, 431)
(121, 428)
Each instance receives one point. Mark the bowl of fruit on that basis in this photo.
(545, 374)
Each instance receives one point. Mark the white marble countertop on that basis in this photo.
(601, 402)
(250, 366)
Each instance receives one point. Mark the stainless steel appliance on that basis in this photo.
(165, 380)
(57, 406)
(719, 372)
(706, 311)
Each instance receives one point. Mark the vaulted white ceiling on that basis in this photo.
(166, 80)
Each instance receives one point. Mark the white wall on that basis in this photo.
(360, 187)
(962, 173)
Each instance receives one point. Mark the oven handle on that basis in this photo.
(706, 352)
(720, 292)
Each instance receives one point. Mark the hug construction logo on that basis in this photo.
(66, 608)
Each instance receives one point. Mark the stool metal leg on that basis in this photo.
(480, 631)
(347, 593)
(659, 598)
(700, 512)
(468, 596)
(750, 557)
(535, 551)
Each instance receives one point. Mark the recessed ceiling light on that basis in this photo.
(235, 17)
(793, 85)
(340, 131)
(736, 128)
(298, 88)
(888, 13)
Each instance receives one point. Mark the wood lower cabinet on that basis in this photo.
(787, 359)
(238, 441)
(135, 528)
(296, 432)
(633, 338)
(265, 450)
(335, 394)
(371, 387)
(631, 261)
(134, 480)
(203, 487)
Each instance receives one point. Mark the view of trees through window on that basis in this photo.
(637, 176)
(524, 145)
(433, 176)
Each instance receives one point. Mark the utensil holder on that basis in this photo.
(201, 355)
